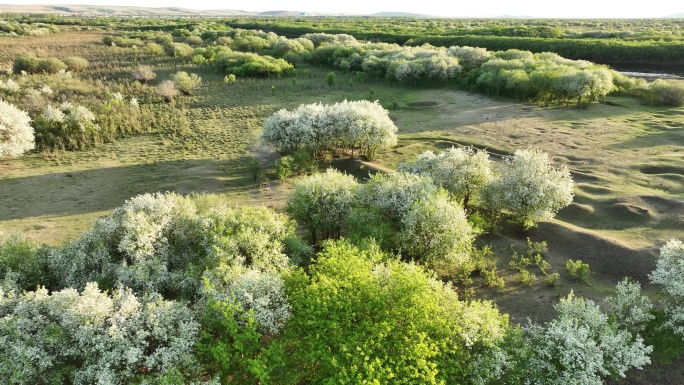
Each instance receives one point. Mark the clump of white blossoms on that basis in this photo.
(361, 125)
(93, 337)
(10, 86)
(53, 114)
(530, 187)
(16, 132)
(669, 273)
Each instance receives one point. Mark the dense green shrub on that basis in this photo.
(22, 265)
(250, 43)
(76, 63)
(578, 270)
(667, 93)
(177, 49)
(154, 49)
(186, 83)
(193, 40)
(251, 64)
(34, 65)
(357, 319)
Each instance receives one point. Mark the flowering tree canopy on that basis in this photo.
(16, 133)
(316, 127)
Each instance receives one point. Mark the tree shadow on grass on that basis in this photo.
(81, 192)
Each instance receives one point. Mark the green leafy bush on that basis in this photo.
(356, 319)
(177, 49)
(76, 63)
(251, 64)
(185, 82)
(22, 266)
(578, 270)
(34, 65)
(668, 93)
(154, 49)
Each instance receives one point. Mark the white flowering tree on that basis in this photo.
(462, 171)
(628, 307)
(669, 273)
(581, 346)
(321, 202)
(436, 231)
(315, 127)
(16, 133)
(256, 294)
(164, 242)
(394, 194)
(91, 337)
(415, 65)
(530, 187)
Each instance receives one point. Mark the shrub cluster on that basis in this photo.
(361, 125)
(355, 315)
(93, 337)
(428, 226)
(251, 64)
(526, 185)
(163, 242)
(34, 65)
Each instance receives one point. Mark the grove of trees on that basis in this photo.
(349, 125)
(171, 289)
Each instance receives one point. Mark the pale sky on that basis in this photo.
(443, 8)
